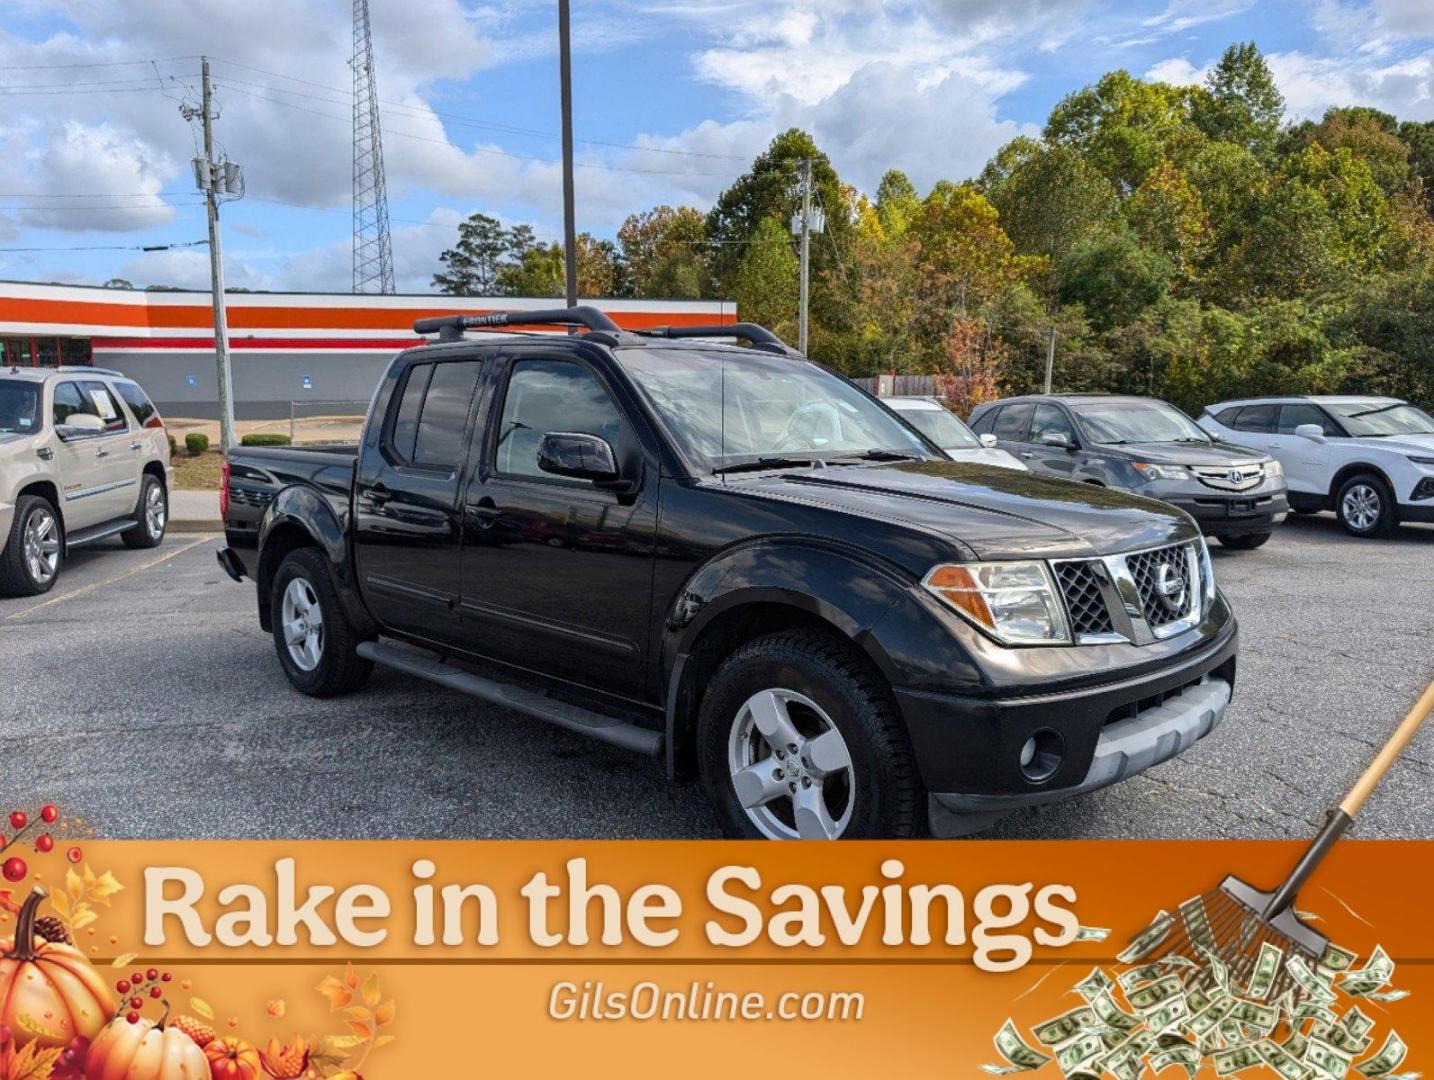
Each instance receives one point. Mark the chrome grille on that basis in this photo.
(1084, 601)
(1231, 477)
(1163, 582)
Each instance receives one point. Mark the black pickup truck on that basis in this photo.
(730, 557)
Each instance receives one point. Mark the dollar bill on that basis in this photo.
(1197, 999)
(1236, 1059)
(1257, 1015)
(1308, 981)
(1296, 1044)
(1149, 939)
(1387, 995)
(1184, 1055)
(1081, 1052)
(1391, 1055)
(1219, 973)
(1092, 933)
(1329, 1060)
(1146, 998)
(1267, 966)
(1282, 1061)
(1112, 1015)
(1197, 922)
(1336, 959)
(1312, 1010)
(1338, 1036)
(1168, 1015)
(1097, 982)
(1209, 1018)
(1021, 1057)
(1065, 1027)
(1375, 974)
(1144, 973)
(1355, 1022)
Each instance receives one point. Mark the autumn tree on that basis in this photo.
(1241, 103)
(764, 283)
(664, 251)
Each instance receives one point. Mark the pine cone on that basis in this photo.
(52, 929)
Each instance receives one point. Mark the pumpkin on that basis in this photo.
(144, 1050)
(49, 991)
(232, 1059)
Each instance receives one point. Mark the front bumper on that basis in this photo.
(1234, 514)
(969, 748)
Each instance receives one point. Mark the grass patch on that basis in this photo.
(198, 473)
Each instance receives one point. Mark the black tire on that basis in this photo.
(1243, 541)
(887, 797)
(148, 531)
(16, 578)
(1369, 500)
(339, 669)
(1305, 510)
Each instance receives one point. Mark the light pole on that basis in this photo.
(570, 227)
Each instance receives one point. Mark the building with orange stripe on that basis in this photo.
(286, 348)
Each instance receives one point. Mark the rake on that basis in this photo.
(1234, 921)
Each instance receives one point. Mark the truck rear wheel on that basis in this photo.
(1243, 541)
(798, 739)
(151, 517)
(315, 641)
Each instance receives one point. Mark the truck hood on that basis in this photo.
(8, 437)
(996, 513)
(1422, 445)
(1204, 455)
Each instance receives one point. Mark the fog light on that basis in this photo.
(1041, 755)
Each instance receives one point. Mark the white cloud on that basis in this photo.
(1177, 71)
(79, 162)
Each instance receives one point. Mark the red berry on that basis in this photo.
(19, 819)
(155, 991)
(74, 854)
(44, 843)
(49, 813)
(14, 869)
(137, 978)
(132, 1017)
(152, 974)
(136, 1003)
(122, 986)
(166, 977)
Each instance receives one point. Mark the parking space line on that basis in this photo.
(110, 581)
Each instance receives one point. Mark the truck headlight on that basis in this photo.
(1017, 603)
(1161, 472)
(1207, 576)
(1274, 468)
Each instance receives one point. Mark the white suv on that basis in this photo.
(1369, 459)
(83, 455)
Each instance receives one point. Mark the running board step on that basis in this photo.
(608, 729)
(81, 537)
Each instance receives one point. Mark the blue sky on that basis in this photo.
(673, 99)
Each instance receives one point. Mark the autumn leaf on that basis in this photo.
(74, 885)
(338, 994)
(371, 993)
(359, 1013)
(33, 1063)
(363, 1031)
(202, 1007)
(276, 1008)
(351, 979)
(123, 960)
(384, 1014)
(383, 1040)
(61, 903)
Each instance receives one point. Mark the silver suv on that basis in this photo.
(83, 455)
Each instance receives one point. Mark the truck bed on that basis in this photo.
(258, 474)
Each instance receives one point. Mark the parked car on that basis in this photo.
(940, 425)
(83, 455)
(850, 640)
(1369, 459)
(1235, 493)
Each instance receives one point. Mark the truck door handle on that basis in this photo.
(378, 494)
(136, 446)
(102, 453)
(486, 511)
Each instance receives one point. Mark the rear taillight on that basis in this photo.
(155, 423)
(224, 492)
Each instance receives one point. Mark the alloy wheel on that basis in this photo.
(156, 512)
(1362, 507)
(790, 767)
(303, 622)
(42, 546)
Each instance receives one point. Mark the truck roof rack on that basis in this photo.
(451, 327)
(759, 337)
(87, 369)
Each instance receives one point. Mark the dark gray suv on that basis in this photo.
(1147, 446)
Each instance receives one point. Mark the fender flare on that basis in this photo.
(846, 589)
(306, 509)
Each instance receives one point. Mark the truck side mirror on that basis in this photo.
(1058, 439)
(989, 441)
(578, 455)
(1312, 432)
(80, 426)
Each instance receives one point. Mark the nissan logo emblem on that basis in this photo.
(1170, 587)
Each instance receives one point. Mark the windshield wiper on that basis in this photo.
(767, 463)
(875, 455)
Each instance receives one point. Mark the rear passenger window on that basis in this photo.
(1226, 417)
(106, 406)
(1257, 418)
(139, 403)
(982, 424)
(438, 442)
(1010, 426)
(405, 424)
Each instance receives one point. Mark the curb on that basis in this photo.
(176, 525)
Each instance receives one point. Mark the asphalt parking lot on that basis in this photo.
(142, 695)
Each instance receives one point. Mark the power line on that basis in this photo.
(97, 64)
(111, 247)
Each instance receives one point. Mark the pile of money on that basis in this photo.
(1196, 1011)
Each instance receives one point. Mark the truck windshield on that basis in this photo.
(1382, 418)
(942, 428)
(1112, 422)
(727, 408)
(19, 406)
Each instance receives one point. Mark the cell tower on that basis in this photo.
(373, 253)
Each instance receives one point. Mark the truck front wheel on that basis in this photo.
(315, 641)
(798, 739)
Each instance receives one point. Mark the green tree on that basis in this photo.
(1114, 278)
(1168, 214)
(664, 253)
(765, 281)
(542, 270)
(1124, 126)
(1241, 103)
(1050, 198)
(1367, 133)
(471, 266)
(896, 202)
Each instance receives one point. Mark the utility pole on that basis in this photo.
(803, 288)
(570, 226)
(211, 176)
(1050, 358)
